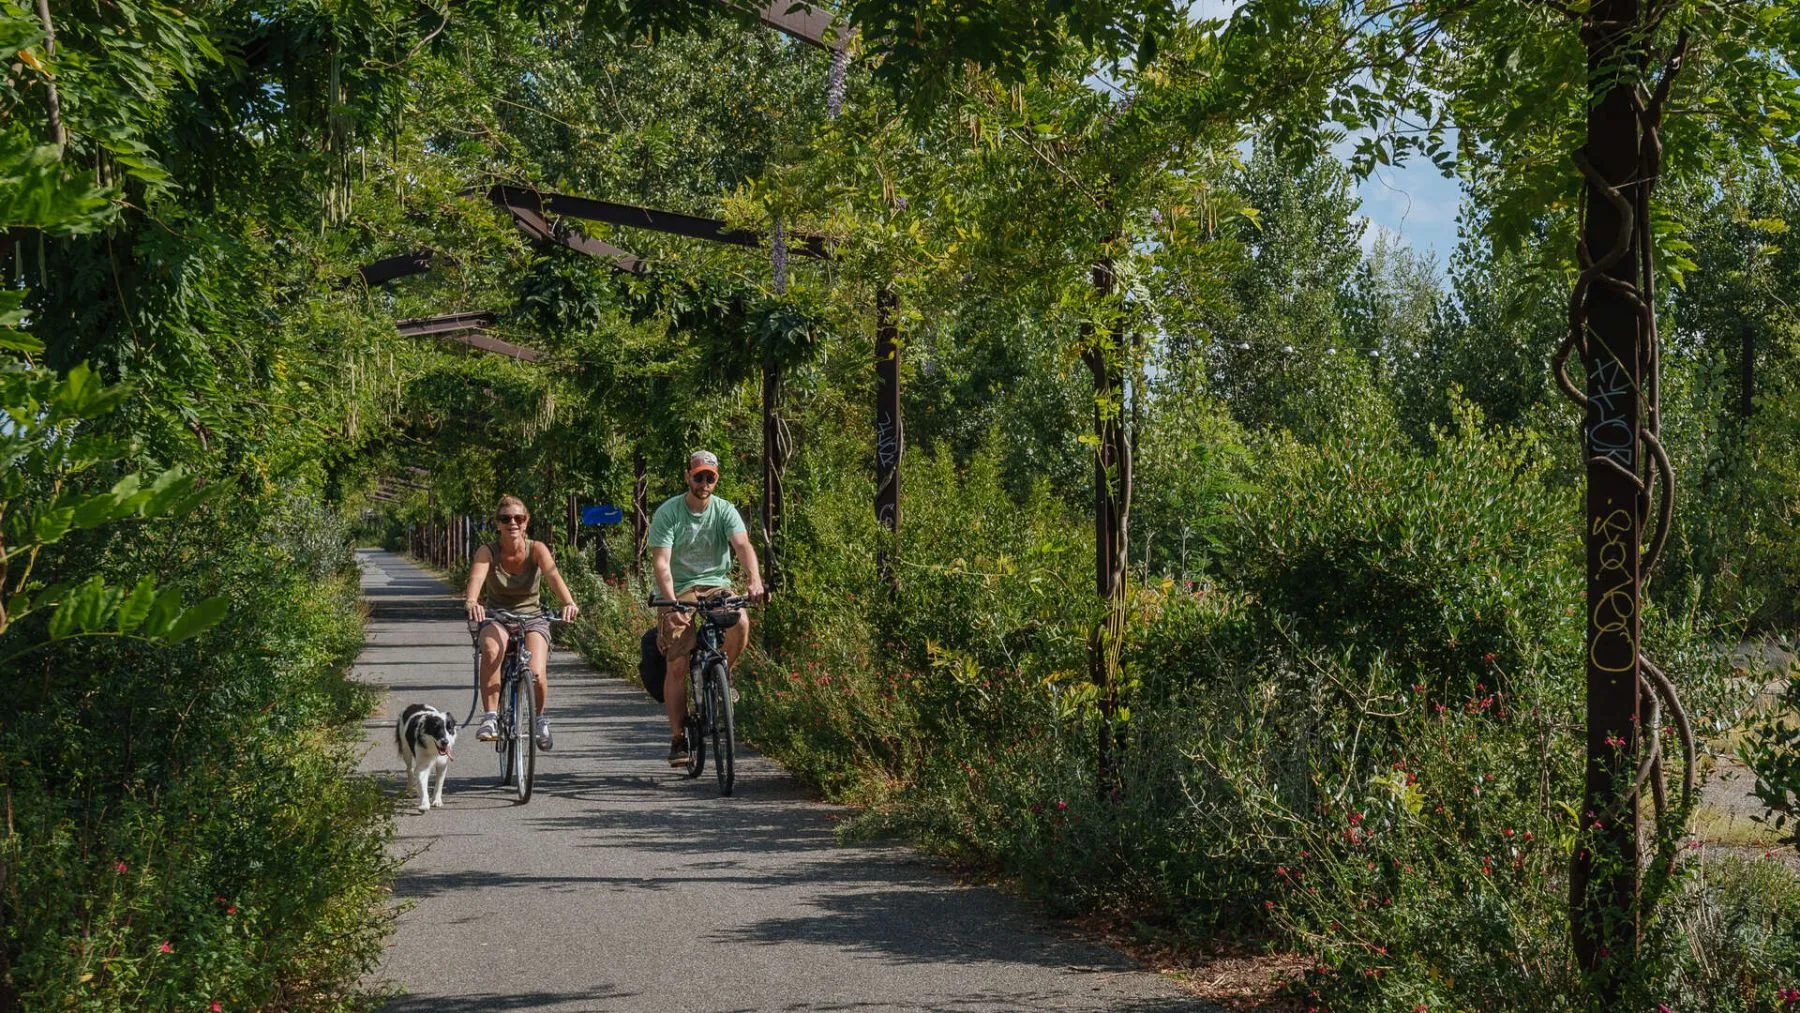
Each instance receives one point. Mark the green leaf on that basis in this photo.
(96, 510)
(62, 621)
(163, 612)
(136, 605)
(50, 525)
(92, 603)
(19, 341)
(198, 619)
(170, 489)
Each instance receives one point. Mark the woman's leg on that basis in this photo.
(493, 648)
(539, 646)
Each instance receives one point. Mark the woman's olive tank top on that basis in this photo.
(513, 592)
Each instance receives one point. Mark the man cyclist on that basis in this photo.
(507, 575)
(692, 539)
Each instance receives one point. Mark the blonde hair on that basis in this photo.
(509, 498)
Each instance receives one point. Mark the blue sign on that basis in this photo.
(602, 514)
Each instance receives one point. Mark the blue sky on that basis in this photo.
(1415, 202)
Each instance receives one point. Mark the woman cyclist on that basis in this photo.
(506, 575)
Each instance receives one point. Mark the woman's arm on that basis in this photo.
(546, 562)
(478, 571)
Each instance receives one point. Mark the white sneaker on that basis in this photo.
(489, 730)
(543, 733)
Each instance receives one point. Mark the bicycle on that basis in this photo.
(709, 697)
(516, 741)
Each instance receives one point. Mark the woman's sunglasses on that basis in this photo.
(512, 518)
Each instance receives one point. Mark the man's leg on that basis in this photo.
(675, 692)
(676, 640)
(736, 639)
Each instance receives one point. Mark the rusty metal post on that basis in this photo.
(890, 437)
(1606, 879)
(775, 453)
(640, 511)
(1112, 491)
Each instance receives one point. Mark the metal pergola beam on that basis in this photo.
(630, 216)
(386, 270)
(808, 24)
(542, 230)
(467, 329)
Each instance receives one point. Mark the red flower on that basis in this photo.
(120, 868)
(231, 910)
(165, 947)
(215, 1007)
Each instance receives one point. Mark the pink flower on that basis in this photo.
(231, 910)
(1060, 806)
(165, 947)
(120, 868)
(215, 1007)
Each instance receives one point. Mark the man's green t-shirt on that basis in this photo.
(699, 544)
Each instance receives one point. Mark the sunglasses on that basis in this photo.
(512, 518)
(704, 478)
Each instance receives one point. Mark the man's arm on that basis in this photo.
(659, 566)
(746, 557)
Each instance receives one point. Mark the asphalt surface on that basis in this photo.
(623, 886)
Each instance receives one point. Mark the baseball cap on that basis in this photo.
(702, 460)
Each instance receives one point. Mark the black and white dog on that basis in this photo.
(425, 736)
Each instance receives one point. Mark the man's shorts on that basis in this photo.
(536, 624)
(682, 642)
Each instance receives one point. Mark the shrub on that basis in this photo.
(187, 826)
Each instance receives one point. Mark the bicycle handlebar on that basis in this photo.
(734, 601)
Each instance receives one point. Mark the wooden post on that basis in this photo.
(574, 525)
(1606, 880)
(890, 439)
(1112, 498)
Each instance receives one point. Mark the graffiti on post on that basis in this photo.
(1614, 647)
(1611, 434)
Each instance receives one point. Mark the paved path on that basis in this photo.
(623, 886)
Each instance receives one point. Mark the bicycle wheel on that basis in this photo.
(503, 730)
(695, 728)
(525, 733)
(724, 727)
(696, 760)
